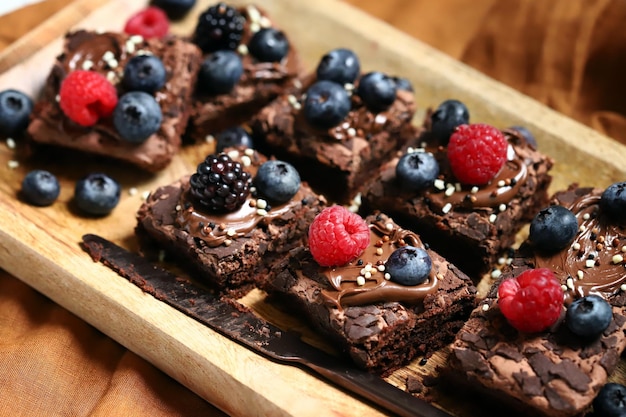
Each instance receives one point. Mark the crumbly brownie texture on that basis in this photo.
(107, 53)
(554, 372)
(381, 334)
(336, 161)
(260, 83)
(233, 251)
(470, 226)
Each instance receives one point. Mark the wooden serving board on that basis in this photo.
(40, 245)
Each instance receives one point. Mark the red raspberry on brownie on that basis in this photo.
(337, 236)
(151, 22)
(532, 301)
(87, 96)
(476, 153)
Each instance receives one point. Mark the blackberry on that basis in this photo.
(220, 184)
(219, 27)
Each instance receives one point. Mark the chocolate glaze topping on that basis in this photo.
(385, 237)
(588, 266)
(221, 228)
(500, 190)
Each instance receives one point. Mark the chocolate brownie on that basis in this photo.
(336, 161)
(260, 81)
(232, 251)
(380, 324)
(469, 225)
(107, 53)
(552, 372)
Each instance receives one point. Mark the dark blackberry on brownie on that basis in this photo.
(226, 222)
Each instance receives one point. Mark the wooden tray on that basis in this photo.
(40, 245)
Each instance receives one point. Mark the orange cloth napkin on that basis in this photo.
(566, 53)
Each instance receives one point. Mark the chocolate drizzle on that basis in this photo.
(386, 236)
(500, 190)
(587, 266)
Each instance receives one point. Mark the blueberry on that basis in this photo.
(277, 181)
(408, 265)
(613, 202)
(233, 136)
(553, 228)
(144, 73)
(269, 45)
(528, 137)
(403, 84)
(339, 65)
(137, 116)
(589, 316)
(97, 194)
(417, 170)
(40, 188)
(220, 72)
(610, 401)
(377, 90)
(15, 109)
(326, 104)
(443, 121)
(175, 9)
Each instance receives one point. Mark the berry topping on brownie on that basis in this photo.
(87, 96)
(532, 301)
(377, 90)
(236, 136)
(219, 27)
(220, 72)
(445, 119)
(137, 116)
(15, 110)
(277, 181)
(611, 401)
(220, 184)
(417, 171)
(526, 135)
(40, 188)
(408, 265)
(613, 202)
(175, 9)
(589, 316)
(326, 105)
(476, 153)
(340, 65)
(97, 194)
(337, 236)
(269, 45)
(151, 22)
(553, 229)
(144, 73)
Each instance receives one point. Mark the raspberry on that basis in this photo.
(337, 236)
(532, 301)
(220, 184)
(476, 153)
(87, 96)
(150, 22)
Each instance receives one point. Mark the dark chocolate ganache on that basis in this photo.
(502, 188)
(593, 263)
(217, 229)
(363, 281)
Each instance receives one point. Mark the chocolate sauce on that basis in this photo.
(385, 237)
(588, 262)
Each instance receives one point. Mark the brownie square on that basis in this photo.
(470, 226)
(107, 53)
(260, 83)
(336, 161)
(554, 372)
(379, 324)
(232, 251)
